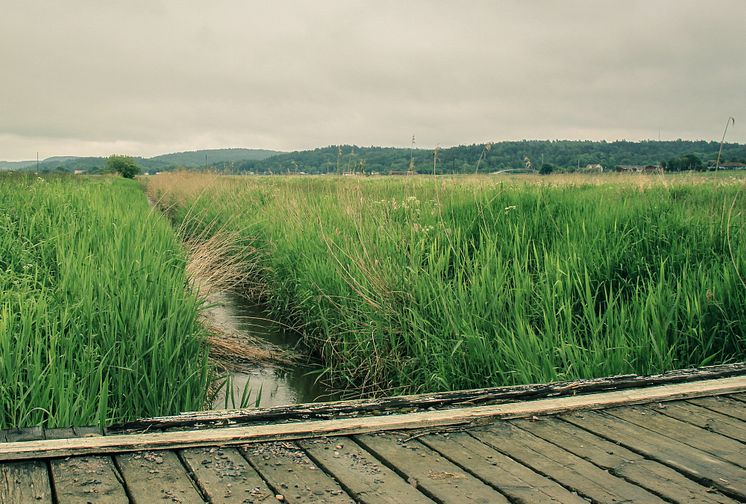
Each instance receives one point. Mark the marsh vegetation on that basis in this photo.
(418, 284)
(395, 284)
(96, 322)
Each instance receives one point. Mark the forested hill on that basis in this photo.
(561, 154)
(497, 156)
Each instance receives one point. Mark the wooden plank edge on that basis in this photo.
(359, 425)
(339, 409)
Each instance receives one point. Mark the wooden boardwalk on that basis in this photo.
(685, 443)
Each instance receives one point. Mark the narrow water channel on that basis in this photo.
(266, 384)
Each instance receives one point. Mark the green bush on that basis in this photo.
(123, 165)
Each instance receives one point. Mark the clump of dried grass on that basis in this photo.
(232, 350)
(215, 261)
(219, 259)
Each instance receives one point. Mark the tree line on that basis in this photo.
(564, 155)
(538, 155)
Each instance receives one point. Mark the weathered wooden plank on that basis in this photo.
(429, 470)
(701, 466)
(359, 425)
(225, 476)
(88, 431)
(292, 475)
(24, 482)
(26, 434)
(90, 479)
(696, 437)
(562, 466)
(60, 433)
(338, 409)
(651, 475)
(725, 405)
(705, 418)
(87, 479)
(739, 396)
(515, 480)
(368, 480)
(153, 477)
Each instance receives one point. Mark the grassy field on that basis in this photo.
(419, 284)
(96, 324)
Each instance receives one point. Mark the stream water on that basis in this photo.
(269, 385)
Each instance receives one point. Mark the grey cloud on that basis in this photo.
(87, 77)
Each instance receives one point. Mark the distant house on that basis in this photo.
(652, 169)
(628, 168)
(78, 172)
(638, 169)
(593, 168)
(733, 166)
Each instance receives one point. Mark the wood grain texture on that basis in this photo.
(707, 419)
(512, 478)
(157, 477)
(225, 477)
(361, 425)
(726, 405)
(696, 437)
(367, 479)
(293, 475)
(410, 403)
(574, 472)
(24, 482)
(90, 479)
(696, 464)
(433, 473)
(649, 474)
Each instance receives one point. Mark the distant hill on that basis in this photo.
(562, 154)
(16, 165)
(204, 159)
(201, 158)
(60, 159)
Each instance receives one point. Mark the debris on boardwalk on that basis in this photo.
(685, 443)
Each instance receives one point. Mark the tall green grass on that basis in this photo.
(96, 324)
(424, 284)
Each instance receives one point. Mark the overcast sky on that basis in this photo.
(145, 77)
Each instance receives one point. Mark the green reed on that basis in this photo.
(420, 284)
(96, 322)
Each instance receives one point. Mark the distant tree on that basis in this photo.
(685, 162)
(546, 169)
(123, 165)
(692, 162)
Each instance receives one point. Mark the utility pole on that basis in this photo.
(410, 170)
(727, 123)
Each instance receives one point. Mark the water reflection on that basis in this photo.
(268, 385)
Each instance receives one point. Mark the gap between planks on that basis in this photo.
(360, 425)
